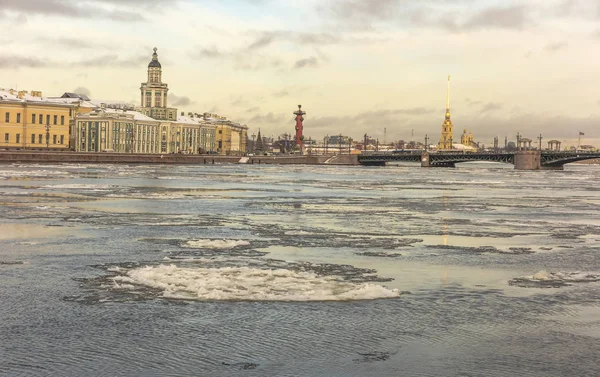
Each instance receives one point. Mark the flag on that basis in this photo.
(581, 134)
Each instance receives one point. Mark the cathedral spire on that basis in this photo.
(448, 95)
(446, 137)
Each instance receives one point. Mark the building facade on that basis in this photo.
(123, 131)
(29, 121)
(231, 138)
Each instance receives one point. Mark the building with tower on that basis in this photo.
(446, 138)
(154, 93)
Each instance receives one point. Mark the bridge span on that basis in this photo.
(522, 160)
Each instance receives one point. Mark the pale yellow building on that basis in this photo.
(231, 136)
(29, 121)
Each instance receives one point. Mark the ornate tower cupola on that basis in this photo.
(154, 69)
(446, 138)
(154, 91)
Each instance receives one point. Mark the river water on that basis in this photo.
(234, 270)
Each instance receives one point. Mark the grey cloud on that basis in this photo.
(72, 43)
(254, 109)
(491, 106)
(175, 100)
(239, 101)
(268, 119)
(554, 47)
(307, 62)
(514, 17)
(70, 9)
(442, 14)
(82, 90)
(282, 93)
(110, 60)
(265, 39)
(207, 53)
(241, 60)
(471, 102)
(16, 62)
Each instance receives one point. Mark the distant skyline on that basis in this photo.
(356, 66)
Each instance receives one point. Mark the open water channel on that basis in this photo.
(232, 270)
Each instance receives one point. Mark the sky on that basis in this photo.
(356, 66)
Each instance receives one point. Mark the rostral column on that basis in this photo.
(299, 128)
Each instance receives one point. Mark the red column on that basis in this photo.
(299, 127)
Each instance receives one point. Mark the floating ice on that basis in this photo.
(544, 279)
(251, 284)
(215, 244)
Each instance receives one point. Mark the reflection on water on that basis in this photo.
(231, 270)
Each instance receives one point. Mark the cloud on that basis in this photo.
(514, 17)
(307, 62)
(72, 43)
(254, 109)
(83, 91)
(267, 38)
(281, 93)
(457, 16)
(491, 106)
(554, 47)
(241, 59)
(72, 9)
(110, 60)
(207, 53)
(183, 101)
(16, 62)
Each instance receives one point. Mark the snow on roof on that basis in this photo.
(136, 115)
(28, 97)
(463, 147)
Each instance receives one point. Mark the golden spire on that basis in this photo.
(448, 94)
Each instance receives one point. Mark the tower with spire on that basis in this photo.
(259, 147)
(154, 93)
(446, 138)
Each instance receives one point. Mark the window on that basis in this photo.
(41, 119)
(55, 119)
(53, 139)
(62, 120)
(6, 138)
(18, 117)
(47, 119)
(62, 139)
(18, 138)
(32, 118)
(7, 117)
(41, 139)
(32, 138)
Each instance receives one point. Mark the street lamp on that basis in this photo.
(47, 135)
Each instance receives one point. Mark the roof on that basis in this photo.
(154, 62)
(26, 97)
(75, 95)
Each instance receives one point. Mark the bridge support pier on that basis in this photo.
(528, 160)
(425, 160)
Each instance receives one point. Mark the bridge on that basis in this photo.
(523, 160)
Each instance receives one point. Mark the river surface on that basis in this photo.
(234, 270)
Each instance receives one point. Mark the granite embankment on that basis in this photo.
(129, 158)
